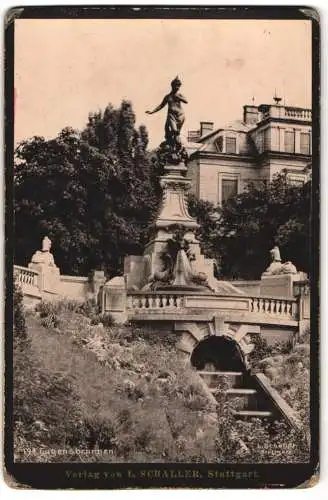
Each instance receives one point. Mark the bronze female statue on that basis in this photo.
(175, 115)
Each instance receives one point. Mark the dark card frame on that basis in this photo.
(53, 476)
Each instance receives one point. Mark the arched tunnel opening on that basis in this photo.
(218, 353)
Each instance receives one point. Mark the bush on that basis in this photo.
(263, 350)
(105, 319)
(20, 331)
(89, 308)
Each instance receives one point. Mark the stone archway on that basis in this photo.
(218, 353)
(194, 332)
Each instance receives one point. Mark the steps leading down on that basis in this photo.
(247, 399)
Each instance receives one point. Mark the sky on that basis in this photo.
(65, 69)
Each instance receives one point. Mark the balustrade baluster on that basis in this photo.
(283, 307)
(278, 307)
(143, 302)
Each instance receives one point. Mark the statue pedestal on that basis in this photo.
(280, 285)
(174, 208)
(49, 274)
(172, 259)
(114, 298)
(173, 215)
(49, 277)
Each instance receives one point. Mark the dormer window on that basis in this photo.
(219, 144)
(231, 145)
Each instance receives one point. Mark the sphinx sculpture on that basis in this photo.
(277, 267)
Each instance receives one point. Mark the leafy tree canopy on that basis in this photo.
(93, 193)
(241, 232)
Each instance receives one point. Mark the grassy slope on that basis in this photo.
(78, 386)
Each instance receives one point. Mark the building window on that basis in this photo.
(231, 145)
(267, 140)
(289, 141)
(305, 143)
(229, 187)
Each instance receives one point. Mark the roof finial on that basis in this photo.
(276, 98)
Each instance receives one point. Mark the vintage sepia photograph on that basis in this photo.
(163, 184)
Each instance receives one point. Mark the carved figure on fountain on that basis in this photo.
(176, 272)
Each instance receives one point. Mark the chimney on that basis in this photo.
(250, 114)
(206, 128)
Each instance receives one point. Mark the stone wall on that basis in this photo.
(74, 287)
(211, 172)
(273, 334)
(248, 287)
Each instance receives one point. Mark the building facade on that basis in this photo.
(270, 138)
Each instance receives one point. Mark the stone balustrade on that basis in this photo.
(285, 308)
(26, 276)
(298, 113)
(278, 111)
(274, 306)
(155, 300)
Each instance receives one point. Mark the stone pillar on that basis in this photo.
(297, 141)
(114, 299)
(173, 211)
(280, 285)
(97, 281)
(281, 139)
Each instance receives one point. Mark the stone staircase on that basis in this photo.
(248, 399)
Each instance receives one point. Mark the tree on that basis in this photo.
(94, 193)
(241, 232)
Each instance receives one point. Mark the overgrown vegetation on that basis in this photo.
(287, 365)
(19, 323)
(92, 192)
(83, 386)
(87, 385)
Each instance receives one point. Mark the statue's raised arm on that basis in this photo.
(159, 107)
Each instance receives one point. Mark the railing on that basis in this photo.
(273, 306)
(155, 301)
(285, 308)
(298, 113)
(274, 111)
(26, 276)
